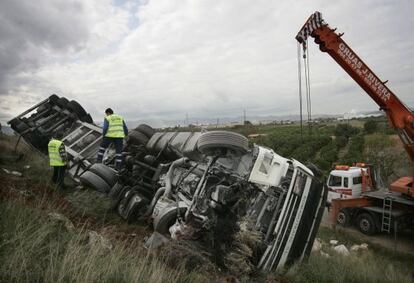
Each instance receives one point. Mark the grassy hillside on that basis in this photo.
(47, 236)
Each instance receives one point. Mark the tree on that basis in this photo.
(390, 160)
(370, 126)
(340, 142)
(355, 151)
(345, 130)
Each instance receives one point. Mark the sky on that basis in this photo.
(156, 60)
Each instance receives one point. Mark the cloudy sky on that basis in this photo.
(160, 59)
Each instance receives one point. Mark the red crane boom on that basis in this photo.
(400, 116)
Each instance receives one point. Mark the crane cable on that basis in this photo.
(300, 90)
(307, 85)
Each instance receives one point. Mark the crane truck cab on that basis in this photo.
(346, 182)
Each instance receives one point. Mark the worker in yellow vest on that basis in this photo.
(58, 160)
(114, 131)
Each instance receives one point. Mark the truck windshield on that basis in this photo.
(357, 180)
(335, 181)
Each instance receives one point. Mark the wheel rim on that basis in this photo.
(341, 219)
(364, 225)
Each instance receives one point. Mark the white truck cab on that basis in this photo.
(345, 182)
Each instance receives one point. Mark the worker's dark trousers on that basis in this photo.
(118, 143)
(59, 176)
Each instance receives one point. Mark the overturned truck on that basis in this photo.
(208, 187)
(58, 117)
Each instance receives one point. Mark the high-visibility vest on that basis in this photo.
(54, 155)
(116, 126)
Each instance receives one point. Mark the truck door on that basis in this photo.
(339, 187)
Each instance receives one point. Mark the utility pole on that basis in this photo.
(244, 116)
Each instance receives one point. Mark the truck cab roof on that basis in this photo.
(351, 172)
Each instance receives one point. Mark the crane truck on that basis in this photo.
(371, 209)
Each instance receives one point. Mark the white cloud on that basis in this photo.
(216, 58)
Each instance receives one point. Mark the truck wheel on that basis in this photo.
(212, 142)
(87, 119)
(43, 107)
(105, 172)
(366, 224)
(118, 195)
(20, 127)
(136, 207)
(94, 181)
(62, 102)
(53, 99)
(14, 122)
(164, 223)
(76, 108)
(146, 130)
(136, 138)
(115, 191)
(343, 218)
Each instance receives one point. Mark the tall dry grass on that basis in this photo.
(366, 267)
(378, 264)
(35, 249)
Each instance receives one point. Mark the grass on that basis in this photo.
(365, 267)
(397, 257)
(378, 264)
(35, 249)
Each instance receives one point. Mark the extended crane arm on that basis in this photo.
(400, 117)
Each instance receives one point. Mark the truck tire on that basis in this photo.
(43, 107)
(136, 138)
(344, 217)
(366, 224)
(146, 130)
(14, 122)
(62, 102)
(115, 190)
(87, 119)
(76, 108)
(135, 207)
(211, 142)
(162, 225)
(94, 181)
(20, 127)
(53, 99)
(106, 173)
(118, 194)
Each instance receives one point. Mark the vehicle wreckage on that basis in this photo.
(192, 186)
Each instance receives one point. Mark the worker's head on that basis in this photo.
(109, 111)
